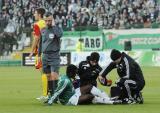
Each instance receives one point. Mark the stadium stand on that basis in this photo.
(71, 13)
(80, 15)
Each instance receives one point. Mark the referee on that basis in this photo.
(49, 46)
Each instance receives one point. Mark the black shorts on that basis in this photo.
(50, 64)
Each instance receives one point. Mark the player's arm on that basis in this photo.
(35, 43)
(58, 32)
(40, 47)
(105, 71)
(59, 90)
(108, 69)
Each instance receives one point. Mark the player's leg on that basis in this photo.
(86, 89)
(78, 98)
(139, 98)
(75, 98)
(102, 97)
(102, 100)
(53, 80)
(97, 92)
(44, 84)
(45, 78)
(85, 99)
(137, 94)
(99, 95)
(130, 86)
(38, 65)
(90, 89)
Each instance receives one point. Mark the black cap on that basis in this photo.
(115, 54)
(94, 56)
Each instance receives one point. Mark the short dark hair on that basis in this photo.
(41, 11)
(115, 54)
(71, 70)
(94, 56)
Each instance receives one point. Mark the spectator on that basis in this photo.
(102, 13)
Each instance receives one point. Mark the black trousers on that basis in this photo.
(130, 87)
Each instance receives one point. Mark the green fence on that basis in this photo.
(10, 63)
(139, 41)
(142, 39)
(92, 40)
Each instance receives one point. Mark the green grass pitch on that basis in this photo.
(19, 86)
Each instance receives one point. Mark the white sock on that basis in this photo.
(101, 100)
(97, 92)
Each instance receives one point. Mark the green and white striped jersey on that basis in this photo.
(64, 91)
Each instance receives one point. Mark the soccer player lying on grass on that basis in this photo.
(67, 95)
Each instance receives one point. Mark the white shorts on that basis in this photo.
(74, 99)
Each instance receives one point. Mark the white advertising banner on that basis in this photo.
(77, 57)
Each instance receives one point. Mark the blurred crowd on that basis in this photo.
(107, 14)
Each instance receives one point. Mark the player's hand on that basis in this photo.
(100, 78)
(30, 55)
(38, 64)
(104, 81)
